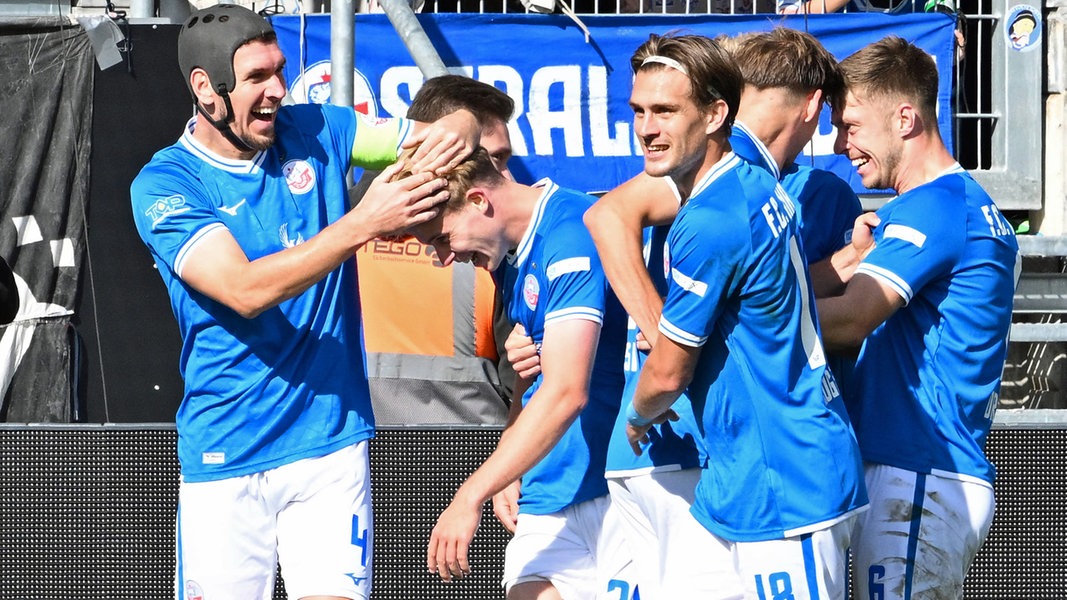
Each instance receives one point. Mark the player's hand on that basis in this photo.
(445, 143)
(388, 208)
(523, 353)
(645, 344)
(638, 435)
(506, 506)
(863, 233)
(451, 538)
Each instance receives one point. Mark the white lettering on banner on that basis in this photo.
(623, 143)
(513, 86)
(551, 101)
(389, 91)
(543, 119)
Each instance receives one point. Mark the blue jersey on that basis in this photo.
(558, 276)
(673, 445)
(928, 378)
(826, 205)
(784, 460)
(290, 383)
(826, 208)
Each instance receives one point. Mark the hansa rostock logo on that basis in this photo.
(313, 86)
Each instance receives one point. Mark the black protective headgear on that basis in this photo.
(211, 36)
(209, 39)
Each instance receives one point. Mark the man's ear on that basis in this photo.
(201, 85)
(813, 105)
(906, 120)
(479, 199)
(715, 116)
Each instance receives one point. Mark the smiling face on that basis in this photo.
(466, 234)
(870, 142)
(256, 97)
(673, 130)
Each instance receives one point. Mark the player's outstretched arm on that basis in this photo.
(664, 376)
(615, 222)
(220, 269)
(567, 354)
(846, 320)
(506, 501)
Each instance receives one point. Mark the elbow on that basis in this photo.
(594, 220)
(669, 380)
(248, 305)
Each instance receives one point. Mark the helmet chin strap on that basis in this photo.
(223, 125)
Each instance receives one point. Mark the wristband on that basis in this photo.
(634, 418)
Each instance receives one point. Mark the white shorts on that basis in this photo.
(920, 535)
(312, 516)
(579, 550)
(674, 555)
(811, 566)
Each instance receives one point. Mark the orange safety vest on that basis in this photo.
(429, 336)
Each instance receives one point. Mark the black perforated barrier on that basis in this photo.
(87, 513)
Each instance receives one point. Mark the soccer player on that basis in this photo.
(556, 439)
(424, 368)
(245, 216)
(931, 305)
(787, 76)
(782, 485)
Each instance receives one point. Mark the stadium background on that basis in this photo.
(87, 499)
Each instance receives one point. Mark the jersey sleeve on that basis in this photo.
(577, 285)
(828, 212)
(171, 216)
(375, 143)
(911, 248)
(704, 251)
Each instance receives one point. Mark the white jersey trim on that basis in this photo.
(680, 335)
(194, 241)
(526, 243)
(202, 152)
(627, 473)
(727, 162)
(824, 524)
(584, 313)
(889, 278)
(764, 151)
(961, 477)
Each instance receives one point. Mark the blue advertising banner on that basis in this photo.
(572, 120)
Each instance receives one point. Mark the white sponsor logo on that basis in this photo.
(213, 458)
(689, 284)
(232, 210)
(567, 265)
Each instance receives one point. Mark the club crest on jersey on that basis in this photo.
(193, 591)
(530, 291)
(299, 176)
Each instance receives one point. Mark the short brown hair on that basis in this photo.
(893, 69)
(713, 74)
(791, 59)
(476, 169)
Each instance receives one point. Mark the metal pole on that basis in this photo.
(342, 51)
(142, 9)
(414, 37)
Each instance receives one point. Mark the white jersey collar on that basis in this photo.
(195, 147)
(548, 189)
